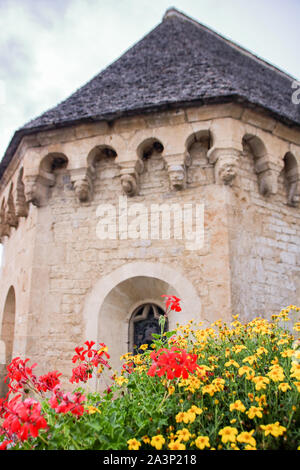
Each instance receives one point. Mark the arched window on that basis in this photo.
(143, 323)
(7, 337)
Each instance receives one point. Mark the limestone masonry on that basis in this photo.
(61, 285)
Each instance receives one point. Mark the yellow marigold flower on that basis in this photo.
(231, 363)
(228, 434)
(284, 387)
(295, 370)
(232, 421)
(146, 439)
(157, 441)
(287, 353)
(262, 400)
(133, 444)
(171, 389)
(297, 384)
(246, 438)
(92, 409)
(238, 348)
(251, 396)
(176, 445)
(210, 389)
(276, 374)
(237, 406)
(282, 341)
(261, 351)
(275, 429)
(143, 347)
(184, 434)
(186, 417)
(248, 371)
(248, 447)
(125, 356)
(202, 442)
(260, 382)
(179, 417)
(275, 361)
(196, 409)
(250, 359)
(121, 380)
(254, 411)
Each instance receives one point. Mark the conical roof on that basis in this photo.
(179, 63)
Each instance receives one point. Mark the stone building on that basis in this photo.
(187, 118)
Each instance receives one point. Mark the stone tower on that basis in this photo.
(185, 118)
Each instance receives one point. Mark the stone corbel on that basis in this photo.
(226, 163)
(177, 165)
(130, 172)
(20, 199)
(11, 216)
(293, 180)
(83, 181)
(37, 187)
(4, 225)
(267, 173)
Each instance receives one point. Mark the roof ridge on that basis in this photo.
(173, 12)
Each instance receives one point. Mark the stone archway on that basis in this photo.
(110, 304)
(7, 337)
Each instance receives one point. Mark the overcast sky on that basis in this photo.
(49, 48)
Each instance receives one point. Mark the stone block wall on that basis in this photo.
(72, 286)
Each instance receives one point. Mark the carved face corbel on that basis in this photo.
(37, 187)
(293, 190)
(267, 176)
(226, 163)
(177, 165)
(83, 181)
(130, 172)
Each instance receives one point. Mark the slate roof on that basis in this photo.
(179, 63)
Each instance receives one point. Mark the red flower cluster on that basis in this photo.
(48, 381)
(65, 402)
(89, 358)
(22, 418)
(174, 363)
(21, 377)
(172, 302)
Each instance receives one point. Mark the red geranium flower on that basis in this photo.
(174, 363)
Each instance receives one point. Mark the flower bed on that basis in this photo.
(229, 387)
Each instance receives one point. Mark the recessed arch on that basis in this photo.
(110, 304)
(7, 336)
(101, 152)
(53, 161)
(149, 147)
